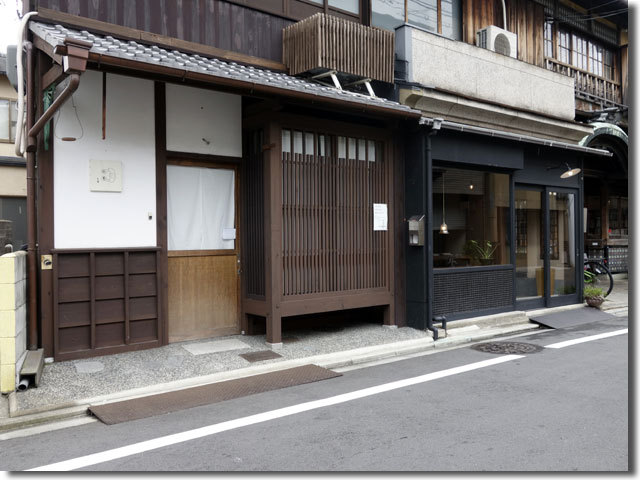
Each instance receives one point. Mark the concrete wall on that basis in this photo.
(481, 74)
(99, 219)
(13, 317)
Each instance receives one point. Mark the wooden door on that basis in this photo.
(203, 252)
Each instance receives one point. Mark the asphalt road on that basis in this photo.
(561, 409)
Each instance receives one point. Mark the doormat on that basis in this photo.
(259, 356)
(152, 405)
(571, 318)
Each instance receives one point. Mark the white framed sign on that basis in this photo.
(380, 217)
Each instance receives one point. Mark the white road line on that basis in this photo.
(576, 341)
(153, 444)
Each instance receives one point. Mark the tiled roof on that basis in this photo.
(109, 46)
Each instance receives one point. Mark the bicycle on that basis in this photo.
(598, 275)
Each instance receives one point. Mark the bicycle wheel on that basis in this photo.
(598, 275)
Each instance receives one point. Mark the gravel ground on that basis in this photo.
(77, 379)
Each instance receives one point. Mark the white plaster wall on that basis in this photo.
(194, 114)
(485, 75)
(86, 219)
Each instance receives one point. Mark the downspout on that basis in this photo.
(31, 210)
(427, 202)
(79, 52)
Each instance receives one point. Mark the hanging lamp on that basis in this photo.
(443, 228)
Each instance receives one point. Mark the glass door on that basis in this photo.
(530, 246)
(546, 253)
(563, 250)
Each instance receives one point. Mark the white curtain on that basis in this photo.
(200, 206)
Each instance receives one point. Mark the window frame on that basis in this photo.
(590, 64)
(406, 15)
(9, 139)
(507, 228)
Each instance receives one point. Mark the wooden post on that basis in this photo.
(273, 233)
(604, 212)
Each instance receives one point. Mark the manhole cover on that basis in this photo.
(507, 347)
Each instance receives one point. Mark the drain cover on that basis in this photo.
(507, 347)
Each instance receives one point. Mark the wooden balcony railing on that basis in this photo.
(587, 84)
(324, 42)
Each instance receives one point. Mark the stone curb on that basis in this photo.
(346, 358)
(66, 410)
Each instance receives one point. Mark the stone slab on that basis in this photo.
(215, 346)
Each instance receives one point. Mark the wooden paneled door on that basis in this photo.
(203, 269)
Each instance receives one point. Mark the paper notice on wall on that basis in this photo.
(380, 217)
(228, 233)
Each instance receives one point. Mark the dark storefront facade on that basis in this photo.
(502, 229)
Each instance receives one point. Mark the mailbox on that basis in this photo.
(416, 230)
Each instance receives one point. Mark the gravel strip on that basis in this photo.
(64, 381)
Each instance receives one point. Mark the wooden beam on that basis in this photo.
(48, 15)
(53, 75)
(46, 48)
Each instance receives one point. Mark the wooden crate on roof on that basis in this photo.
(324, 42)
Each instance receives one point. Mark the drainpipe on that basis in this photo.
(427, 202)
(74, 63)
(31, 210)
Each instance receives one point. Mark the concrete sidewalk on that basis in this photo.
(68, 388)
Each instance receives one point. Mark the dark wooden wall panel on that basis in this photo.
(210, 22)
(105, 301)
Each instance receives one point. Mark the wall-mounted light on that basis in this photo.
(568, 173)
(470, 185)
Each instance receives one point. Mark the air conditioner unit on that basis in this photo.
(498, 40)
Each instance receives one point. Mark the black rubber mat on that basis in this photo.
(571, 318)
(259, 356)
(160, 404)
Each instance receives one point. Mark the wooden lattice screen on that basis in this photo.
(329, 186)
(254, 261)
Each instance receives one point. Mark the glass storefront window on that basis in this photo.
(475, 207)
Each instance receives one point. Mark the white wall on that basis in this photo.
(86, 219)
(194, 114)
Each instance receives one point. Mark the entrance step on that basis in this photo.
(472, 327)
(498, 319)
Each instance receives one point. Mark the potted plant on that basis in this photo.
(481, 252)
(594, 296)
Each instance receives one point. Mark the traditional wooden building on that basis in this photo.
(183, 196)
(214, 167)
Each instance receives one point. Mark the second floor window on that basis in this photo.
(351, 6)
(8, 120)
(437, 16)
(548, 39)
(577, 51)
